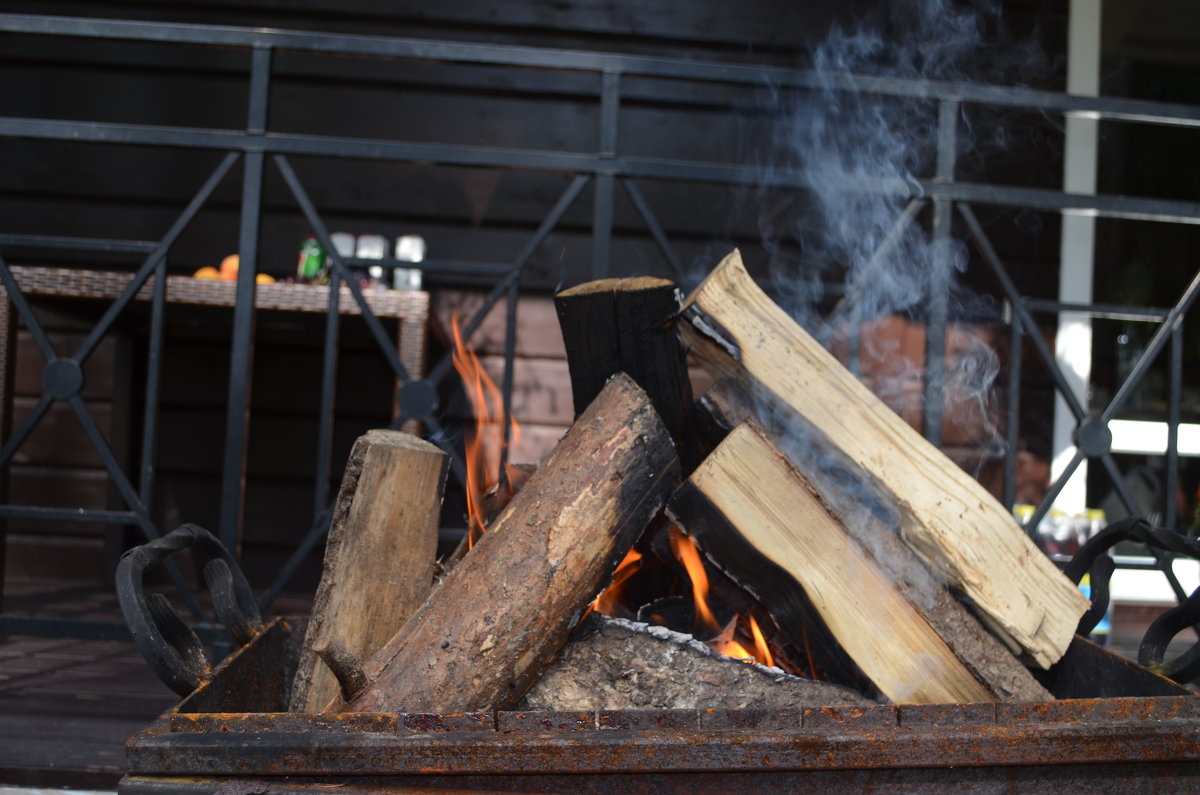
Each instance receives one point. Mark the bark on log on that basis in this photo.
(756, 517)
(612, 663)
(626, 325)
(378, 556)
(956, 526)
(865, 515)
(501, 615)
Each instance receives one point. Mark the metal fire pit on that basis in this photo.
(231, 734)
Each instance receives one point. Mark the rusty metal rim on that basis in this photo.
(161, 752)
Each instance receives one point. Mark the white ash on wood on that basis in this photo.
(613, 663)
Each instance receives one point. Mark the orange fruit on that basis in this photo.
(207, 272)
(229, 267)
(264, 278)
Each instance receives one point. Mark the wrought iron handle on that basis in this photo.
(1091, 559)
(166, 641)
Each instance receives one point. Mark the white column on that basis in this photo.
(1073, 343)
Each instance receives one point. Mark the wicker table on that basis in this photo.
(409, 308)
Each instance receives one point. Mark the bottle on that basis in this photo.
(312, 261)
(1023, 512)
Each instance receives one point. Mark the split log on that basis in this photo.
(378, 557)
(626, 325)
(756, 517)
(956, 526)
(612, 663)
(482, 638)
(866, 517)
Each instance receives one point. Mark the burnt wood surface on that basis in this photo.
(611, 326)
(501, 615)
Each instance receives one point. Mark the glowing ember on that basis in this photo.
(485, 444)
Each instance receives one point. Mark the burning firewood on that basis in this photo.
(863, 512)
(626, 325)
(482, 638)
(614, 663)
(952, 523)
(378, 557)
(756, 515)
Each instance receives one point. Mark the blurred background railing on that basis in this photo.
(202, 141)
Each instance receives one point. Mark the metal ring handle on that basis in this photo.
(170, 647)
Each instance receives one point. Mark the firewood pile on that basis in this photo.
(784, 539)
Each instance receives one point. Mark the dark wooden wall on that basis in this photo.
(465, 213)
(100, 190)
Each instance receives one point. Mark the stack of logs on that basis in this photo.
(896, 571)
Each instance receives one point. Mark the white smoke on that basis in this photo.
(862, 158)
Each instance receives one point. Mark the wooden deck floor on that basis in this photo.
(68, 705)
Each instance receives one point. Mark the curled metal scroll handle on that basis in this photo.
(164, 638)
(1091, 559)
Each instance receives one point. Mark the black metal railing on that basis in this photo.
(259, 148)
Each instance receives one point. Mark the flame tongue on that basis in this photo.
(610, 601)
(762, 652)
(723, 638)
(688, 554)
(485, 443)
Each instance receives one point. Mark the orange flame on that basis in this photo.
(762, 652)
(609, 600)
(485, 445)
(688, 553)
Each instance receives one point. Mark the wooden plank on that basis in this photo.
(378, 557)
(501, 615)
(760, 520)
(956, 526)
(98, 371)
(541, 389)
(536, 442)
(59, 438)
(538, 334)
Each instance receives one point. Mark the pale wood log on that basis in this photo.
(501, 615)
(378, 557)
(956, 526)
(864, 513)
(756, 517)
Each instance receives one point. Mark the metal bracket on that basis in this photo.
(165, 640)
